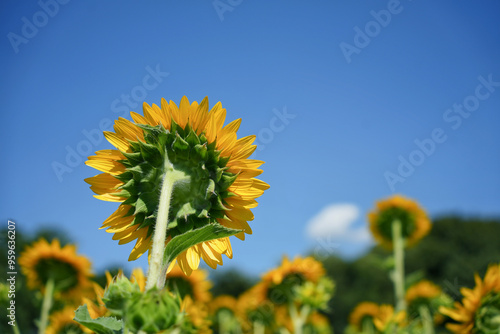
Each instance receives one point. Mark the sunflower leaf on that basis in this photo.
(102, 325)
(188, 239)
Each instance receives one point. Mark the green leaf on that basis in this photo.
(102, 325)
(183, 241)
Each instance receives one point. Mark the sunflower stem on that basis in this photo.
(15, 329)
(367, 327)
(258, 327)
(298, 317)
(157, 269)
(46, 305)
(399, 265)
(427, 322)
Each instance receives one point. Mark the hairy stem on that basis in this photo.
(399, 265)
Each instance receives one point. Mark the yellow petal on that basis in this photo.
(141, 246)
(128, 130)
(117, 141)
(193, 257)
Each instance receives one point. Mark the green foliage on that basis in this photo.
(231, 282)
(182, 242)
(103, 325)
(455, 249)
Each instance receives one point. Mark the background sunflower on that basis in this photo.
(44, 261)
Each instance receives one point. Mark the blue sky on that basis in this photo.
(351, 102)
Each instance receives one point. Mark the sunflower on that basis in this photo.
(223, 302)
(223, 310)
(279, 282)
(414, 221)
(61, 322)
(45, 261)
(195, 285)
(308, 269)
(425, 294)
(363, 312)
(387, 318)
(479, 311)
(219, 183)
(422, 290)
(254, 306)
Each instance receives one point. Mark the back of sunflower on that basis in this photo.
(185, 185)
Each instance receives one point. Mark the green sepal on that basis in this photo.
(152, 154)
(210, 188)
(147, 202)
(218, 174)
(139, 218)
(131, 200)
(223, 161)
(102, 325)
(201, 151)
(191, 238)
(227, 179)
(219, 205)
(192, 139)
(179, 145)
(130, 186)
(132, 159)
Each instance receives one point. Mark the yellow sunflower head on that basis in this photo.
(224, 313)
(426, 294)
(219, 183)
(45, 261)
(414, 221)
(422, 290)
(254, 306)
(61, 322)
(362, 313)
(479, 311)
(196, 285)
(386, 318)
(223, 302)
(281, 281)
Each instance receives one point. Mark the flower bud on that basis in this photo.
(152, 311)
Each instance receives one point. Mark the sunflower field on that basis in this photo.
(250, 167)
(207, 185)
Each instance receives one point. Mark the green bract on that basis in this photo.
(198, 196)
(488, 315)
(388, 216)
(117, 294)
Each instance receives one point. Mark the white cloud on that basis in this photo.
(336, 222)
